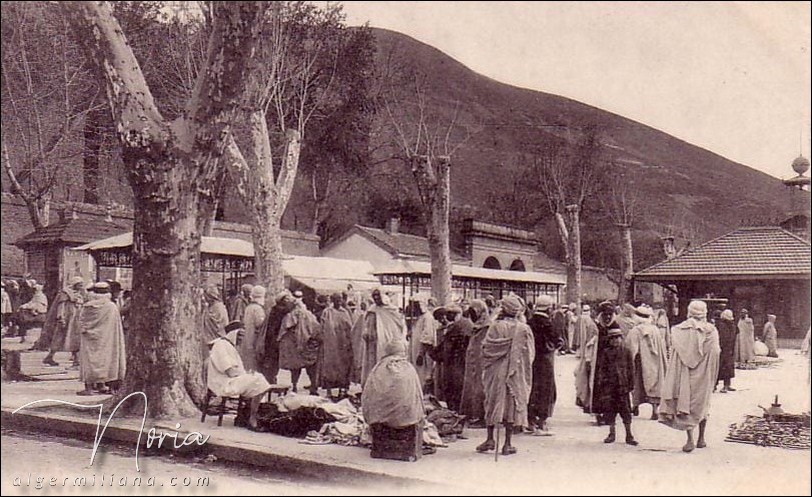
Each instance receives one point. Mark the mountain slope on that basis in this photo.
(678, 183)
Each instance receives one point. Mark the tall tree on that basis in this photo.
(569, 175)
(620, 199)
(426, 141)
(171, 166)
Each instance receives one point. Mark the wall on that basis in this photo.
(357, 247)
(597, 285)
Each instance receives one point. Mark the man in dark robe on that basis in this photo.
(299, 344)
(559, 319)
(450, 356)
(238, 303)
(727, 342)
(269, 335)
(605, 323)
(547, 341)
(615, 381)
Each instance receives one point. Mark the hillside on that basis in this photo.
(702, 193)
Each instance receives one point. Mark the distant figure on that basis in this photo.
(664, 326)
(626, 319)
(543, 392)
(508, 351)
(62, 320)
(253, 317)
(381, 324)
(770, 336)
(746, 339)
(226, 375)
(560, 321)
(13, 291)
(585, 328)
(336, 352)
(572, 326)
(237, 305)
(5, 306)
(424, 334)
(102, 356)
(692, 371)
(473, 392)
(299, 343)
(727, 342)
(32, 313)
(214, 314)
(646, 345)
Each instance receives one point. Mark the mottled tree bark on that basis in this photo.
(435, 192)
(265, 194)
(569, 228)
(171, 167)
(626, 287)
(91, 170)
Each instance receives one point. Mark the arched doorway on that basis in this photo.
(492, 263)
(517, 265)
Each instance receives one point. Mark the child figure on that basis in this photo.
(617, 378)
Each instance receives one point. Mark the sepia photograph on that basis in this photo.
(405, 248)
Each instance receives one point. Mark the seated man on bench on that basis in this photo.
(227, 376)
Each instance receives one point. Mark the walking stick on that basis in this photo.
(496, 451)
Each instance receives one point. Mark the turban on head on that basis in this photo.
(511, 305)
(479, 307)
(258, 292)
(544, 302)
(606, 307)
(396, 347)
(212, 292)
(697, 309)
(76, 280)
(727, 314)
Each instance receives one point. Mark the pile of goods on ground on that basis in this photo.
(775, 429)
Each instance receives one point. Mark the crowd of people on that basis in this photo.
(492, 361)
(85, 320)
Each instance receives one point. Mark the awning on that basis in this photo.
(320, 273)
(330, 274)
(208, 245)
(406, 267)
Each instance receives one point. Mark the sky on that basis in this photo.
(731, 77)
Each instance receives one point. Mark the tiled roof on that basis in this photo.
(760, 252)
(400, 244)
(73, 231)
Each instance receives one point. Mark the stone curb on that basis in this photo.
(78, 428)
